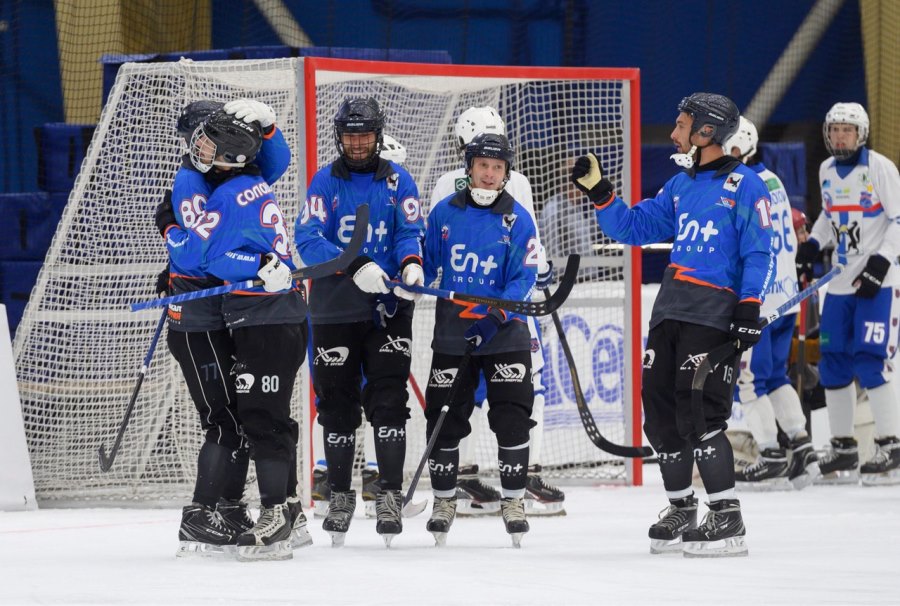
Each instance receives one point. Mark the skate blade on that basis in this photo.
(387, 538)
(440, 538)
(770, 485)
(194, 549)
(732, 547)
(516, 538)
(337, 538)
(412, 509)
(663, 547)
(808, 476)
(468, 507)
(320, 509)
(534, 507)
(279, 550)
(836, 478)
(889, 478)
(300, 537)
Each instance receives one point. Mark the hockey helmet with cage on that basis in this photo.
(745, 139)
(846, 113)
(474, 121)
(710, 109)
(490, 145)
(392, 150)
(359, 115)
(193, 115)
(225, 141)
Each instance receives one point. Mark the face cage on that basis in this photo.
(339, 144)
(200, 143)
(842, 154)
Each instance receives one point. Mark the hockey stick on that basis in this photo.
(727, 350)
(526, 308)
(463, 364)
(106, 460)
(587, 419)
(320, 270)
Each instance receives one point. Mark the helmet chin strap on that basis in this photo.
(685, 160)
(484, 197)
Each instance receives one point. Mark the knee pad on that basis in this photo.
(381, 414)
(870, 370)
(835, 370)
(510, 423)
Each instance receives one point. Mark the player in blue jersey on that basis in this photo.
(861, 218)
(484, 242)
(241, 234)
(717, 212)
(360, 327)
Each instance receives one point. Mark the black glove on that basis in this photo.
(587, 175)
(745, 326)
(162, 283)
(165, 214)
(807, 253)
(485, 329)
(869, 282)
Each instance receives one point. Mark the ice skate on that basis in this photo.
(442, 515)
(339, 515)
(387, 511)
(474, 497)
(513, 512)
(300, 536)
(321, 492)
(270, 537)
(839, 465)
(370, 489)
(884, 467)
(203, 533)
(542, 499)
(804, 466)
(236, 515)
(674, 520)
(721, 534)
(769, 472)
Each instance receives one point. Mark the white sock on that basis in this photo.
(841, 405)
(882, 401)
(788, 410)
(537, 432)
(760, 418)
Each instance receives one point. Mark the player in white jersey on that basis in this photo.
(861, 219)
(476, 497)
(763, 388)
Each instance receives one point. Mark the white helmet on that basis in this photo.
(392, 150)
(474, 121)
(847, 113)
(745, 139)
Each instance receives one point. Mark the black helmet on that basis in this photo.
(718, 111)
(490, 145)
(359, 115)
(236, 142)
(194, 114)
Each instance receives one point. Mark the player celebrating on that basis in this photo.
(861, 218)
(359, 326)
(717, 211)
(484, 242)
(234, 238)
(476, 497)
(764, 389)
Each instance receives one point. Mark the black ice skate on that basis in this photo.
(884, 468)
(203, 533)
(321, 492)
(370, 489)
(513, 512)
(442, 515)
(387, 511)
(270, 537)
(721, 534)
(839, 465)
(542, 499)
(475, 498)
(804, 465)
(236, 515)
(300, 536)
(674, 520)
(769, 472)
(340, 514)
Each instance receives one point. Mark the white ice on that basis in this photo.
(824, 545)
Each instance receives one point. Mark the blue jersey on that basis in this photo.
(240, 224)
(722, 249)
(480, 251)
(324, 227)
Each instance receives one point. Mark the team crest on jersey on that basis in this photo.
(397, 345)
(509, 220)
(535, 345)
(460, 183)
(693, 362)
(244, 383)
(726, 202)
(733, 182)
(865, 199)
(508, 373)
(393, 181)
(442, 377)
(336, 356)
(445, 232)
(849, 232)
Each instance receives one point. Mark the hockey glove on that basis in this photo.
(806, 257)
(868, 283)
(249, 110)
(587, 175)
(483, 330)
(276, 276)
(545, 274)
(412, 274)
(745, 326)
(165, 214)
(368, 276)
(162, 283)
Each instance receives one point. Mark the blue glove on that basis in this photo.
(545, 277)
(485, 329)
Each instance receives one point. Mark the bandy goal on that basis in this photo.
(78, 347)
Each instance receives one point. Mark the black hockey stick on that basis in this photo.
(526, 308)
(320, 270)
(463, 364)
(587, 419)
(729, 349)
(106, 460)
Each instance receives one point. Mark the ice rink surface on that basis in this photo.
(824, 545)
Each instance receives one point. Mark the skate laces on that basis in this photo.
(214, 518)
(672, 517)
(513, 510)
(387, 505)
(444, 509)
(269, 521)
(343, 502)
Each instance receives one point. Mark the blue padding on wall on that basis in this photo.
(61, 149)
(788, 161)
(17, 278)
(29, 222)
